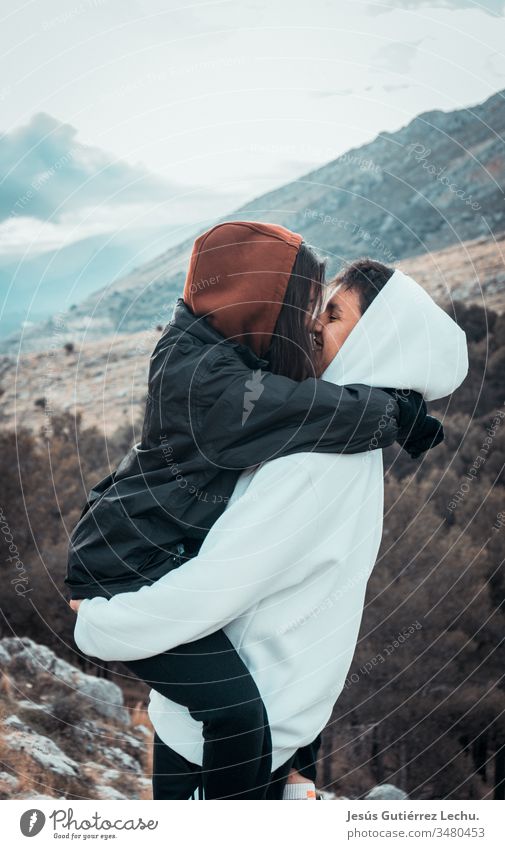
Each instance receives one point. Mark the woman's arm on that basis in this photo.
(260, 545)
(256, 416)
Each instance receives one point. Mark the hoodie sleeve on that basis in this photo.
(268, 415)
(260, 545)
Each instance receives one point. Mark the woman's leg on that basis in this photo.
(174, 777)
(210, 679)
(279, 778)
(305, 761)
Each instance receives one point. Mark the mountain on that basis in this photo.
(105, 378)
(436, 183)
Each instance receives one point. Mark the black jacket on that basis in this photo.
(212, 410)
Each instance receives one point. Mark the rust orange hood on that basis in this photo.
(237, 279)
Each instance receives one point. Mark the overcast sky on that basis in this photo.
(142, 113)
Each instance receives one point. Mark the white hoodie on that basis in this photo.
(284, 570)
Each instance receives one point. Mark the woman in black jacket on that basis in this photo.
(231, 385)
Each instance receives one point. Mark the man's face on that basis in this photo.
(335, 323)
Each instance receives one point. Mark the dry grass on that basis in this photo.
(21, 765)
(139, 715)
(6, 688)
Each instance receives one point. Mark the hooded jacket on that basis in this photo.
(237, 279)
(285, 569)
(213, 410)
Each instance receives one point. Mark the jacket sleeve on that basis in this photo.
(260, 415)
(261, 544)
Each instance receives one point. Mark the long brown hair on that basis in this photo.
(291, 350)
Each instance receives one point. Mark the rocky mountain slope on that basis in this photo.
(436, 183)
(106, 379)
(64, 734)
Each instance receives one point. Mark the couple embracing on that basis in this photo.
(225, 560)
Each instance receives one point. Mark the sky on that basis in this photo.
(129, 123)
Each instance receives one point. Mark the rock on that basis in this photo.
(325, 795)
(8, 781)
(122, 759)
(14, 721)
(129, 740)
(30, 658)
(110, 776)
(43, 750)
(33, 795)
(104, 792)
(111, 771)
(29, 705)
(386, 791)
(4, 656)
(106, 696)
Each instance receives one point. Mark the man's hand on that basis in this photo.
(426, 436)
(417, 430)
(75, 603)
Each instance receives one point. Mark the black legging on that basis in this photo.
(209, 678)
(174, 777)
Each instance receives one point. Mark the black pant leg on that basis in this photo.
(278, 779)
(209, 678)
(305, 761)
(174, 777)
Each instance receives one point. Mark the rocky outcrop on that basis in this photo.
(31, 659)
(385, 791)
(65, 734)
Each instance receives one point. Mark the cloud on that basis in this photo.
(491, 7)
(495, 66)
(337, 92)
(46, 173)
(55, 191)
(397, 56)
(397, 87)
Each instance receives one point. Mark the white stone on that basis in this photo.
(106, 697)
(44, 751)
(386, 791)
(8, 781)
(104, 792)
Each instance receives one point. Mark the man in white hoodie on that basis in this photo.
(284, 570)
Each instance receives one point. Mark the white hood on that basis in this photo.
(404, 341)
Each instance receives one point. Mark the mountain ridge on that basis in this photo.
(436, 182)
